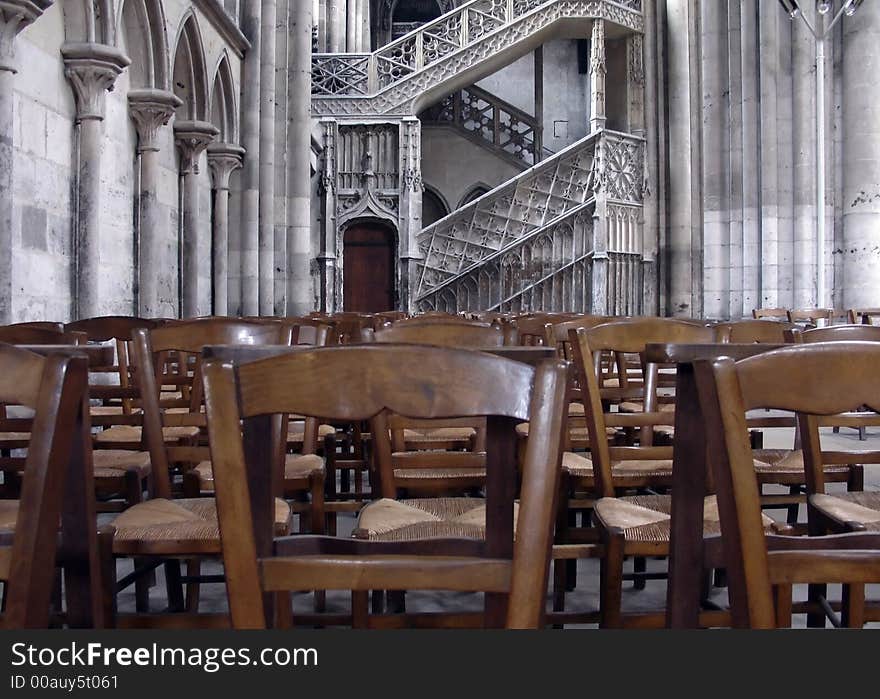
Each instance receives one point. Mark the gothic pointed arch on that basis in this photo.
(141, 34)
(223, 109)
(89, 21)
(189, 81)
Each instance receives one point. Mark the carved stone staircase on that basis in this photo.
(490, 122)
(452, 52)
(563, 235)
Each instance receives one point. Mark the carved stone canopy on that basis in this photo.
(15, 15)
(223, 158)
(92, 70)
(192, 138)
(150, 110)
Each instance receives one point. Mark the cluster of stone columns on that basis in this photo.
(343, 26)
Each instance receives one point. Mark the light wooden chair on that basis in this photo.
(371, 381)
(54, 388)
(763, 566)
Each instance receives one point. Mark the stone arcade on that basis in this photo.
(175, 158)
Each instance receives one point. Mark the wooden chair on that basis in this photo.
(865, 316)
(164, 530)
(762, 566)
(54, 388)
(626, 524)
(771, 313)
(810, 317)
(754, 330)
(41, 324)
(370, 382)
(121, 475)
(26, 334)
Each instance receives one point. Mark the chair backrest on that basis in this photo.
(186, 340)
(866, 316)
(42, 324)
(811, 315)
(54, 388)
(818, 382)
(557, 334)
(756, 330)
(441, 334)
(622, 338)
(774, 313)
(370, 381)
(868, 333)
(428, 319)
(30, 335)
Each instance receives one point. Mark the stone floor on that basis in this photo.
(586, 594)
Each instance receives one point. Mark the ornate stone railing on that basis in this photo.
(491, 122)
(564, 235)
(392, 79)
(547, 270)
(509, 212)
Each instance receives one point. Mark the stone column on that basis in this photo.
(597, 76)
(92, 70)
(266, 260)
(411, 187)
(192, 137)
(336, 26)
(327, 218)
(150, 110)
(861, 158)
(804, 180)
(635, 84)
(250, 176)
(320, 20)
(299, 145)
(223, 158)
(366, 38)
(352, 24)
(15, 15)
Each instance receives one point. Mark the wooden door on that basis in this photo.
(368, 269)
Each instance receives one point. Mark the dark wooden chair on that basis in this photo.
(54, 388)
(810, 317)
(370, 382)
(756, 330)
(165, 529)
(763, 566)
(41, 324)
(619, 483)
(865, 316)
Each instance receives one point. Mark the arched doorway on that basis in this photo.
(368, 268)
(433, 207)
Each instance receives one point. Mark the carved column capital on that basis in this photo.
(15, 15)
(92, 70)
(150, 110)
(192, 137)
(223, 158)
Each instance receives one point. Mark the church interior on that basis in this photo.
(439, 313)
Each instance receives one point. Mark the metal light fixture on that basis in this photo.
(823, 7)
(851, 6)
(791, 7)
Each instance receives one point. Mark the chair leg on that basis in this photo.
(142, 588)
(793, 510)
(360, 612)
(853, 606)
(783, 599)
(193, 588)
(174, 586)
(108, 577)
(640, 566)
(134, 488)
(377, 601)
(611, 581)
(317, 524)
(816, 620)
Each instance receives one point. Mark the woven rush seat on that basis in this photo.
(780, 464)
(158, 526)
(295, 466)
(131, 434)
(576, 433)
(14, 440)
(439, 435)
(111, 463)
(848, 509)
(580, 466)
(646, 518)
(296, 431)
(424, 518)
(449, 474)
